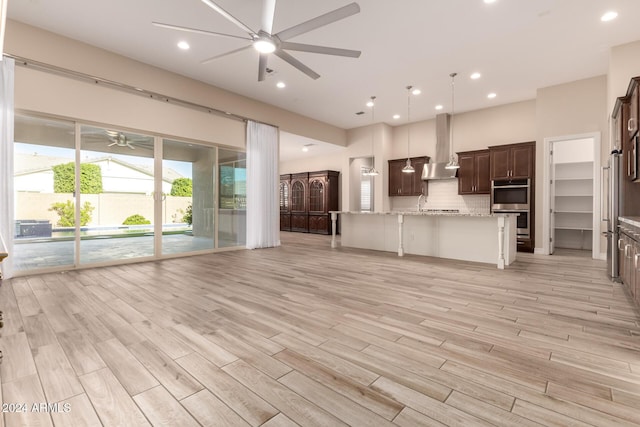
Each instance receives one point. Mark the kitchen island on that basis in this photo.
(488, 238)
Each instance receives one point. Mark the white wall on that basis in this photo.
(42, 92)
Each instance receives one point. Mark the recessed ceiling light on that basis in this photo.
(491, 95)
(609, 16)
(476, 76)
(305, 149)
(183, 45)
(281, 85)
(439, 107)
(489, 1)
(370, 104)
(396, 116)
(416, 92)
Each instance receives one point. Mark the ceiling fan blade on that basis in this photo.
(231, 52)
(130, 146)
(229, 17)
(301, 47)
(319, 21)
(268, 12)
(299, 65)
(112, 144)
(197, 31)
(262, 66)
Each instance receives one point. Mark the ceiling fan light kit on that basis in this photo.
(267, 42)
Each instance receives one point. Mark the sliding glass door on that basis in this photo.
(188, 208)
(44, 200)
(91, 195)
(117, 184)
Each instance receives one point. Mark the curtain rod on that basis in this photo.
(28, 63)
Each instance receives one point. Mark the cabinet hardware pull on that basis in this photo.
(631, 125)
(620, 244)
(626, 251)
(635, 261)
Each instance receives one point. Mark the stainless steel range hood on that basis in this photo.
(437, 170)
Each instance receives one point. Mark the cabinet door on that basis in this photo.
(481, 170)
(317, 199)
(284, 196)
(395, 177)
(466, 173)
(417, 183)
(298, 196)
(522, 162)
(500, 163)
(632, 121)
(400, 183)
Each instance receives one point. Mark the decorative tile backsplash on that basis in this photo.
(443, 194)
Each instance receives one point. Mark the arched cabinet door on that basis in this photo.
(284, 197)
(317, 202)
(285, 202)
(298, 197)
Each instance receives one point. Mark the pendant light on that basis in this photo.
(372, 170)
(453, 162)
(408, 168)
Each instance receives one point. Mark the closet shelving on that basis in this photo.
(573, 204)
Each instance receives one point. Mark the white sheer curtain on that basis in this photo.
(263, 208)
(6, 161)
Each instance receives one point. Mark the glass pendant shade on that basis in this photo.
(453, 163)
(408, 168)
(373, 172)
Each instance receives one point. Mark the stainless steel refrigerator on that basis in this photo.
(614, 200)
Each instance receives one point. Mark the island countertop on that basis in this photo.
(428, 213)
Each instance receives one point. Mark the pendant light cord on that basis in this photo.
(453, 86)
(409, 121)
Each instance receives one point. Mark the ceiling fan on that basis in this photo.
(265, 42)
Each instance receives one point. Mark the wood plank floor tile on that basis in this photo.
(39, 332)
(364, 396)
(81, 413)
(111, 401)
(58, 378)
(173, 377)
(210, 411)
(238, 397)
(280, 420)
(81, 354)
(23, 393)
(162, 409)
(17, 360)
(133, 376)
(412, 418)
(430, 407)
(341, 407)
(207, 348)
(291, 404)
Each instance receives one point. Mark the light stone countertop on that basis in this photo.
(631, 220)
(426, 213)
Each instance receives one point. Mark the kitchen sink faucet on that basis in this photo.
(420, 197)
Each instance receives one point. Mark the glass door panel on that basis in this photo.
(44, 153)
(188, 204)
(232, 219)
(116, 195)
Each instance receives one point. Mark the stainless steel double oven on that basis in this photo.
(513, 196)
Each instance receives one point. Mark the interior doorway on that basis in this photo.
(573, 214)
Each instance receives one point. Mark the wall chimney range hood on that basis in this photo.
(437, 170)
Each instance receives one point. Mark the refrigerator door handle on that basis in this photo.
(603, 215)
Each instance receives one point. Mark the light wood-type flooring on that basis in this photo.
(308, 335)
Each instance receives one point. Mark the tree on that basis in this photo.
(90, 178)
(136, 219)
(188, 216)
(182, 187)
(67, 212)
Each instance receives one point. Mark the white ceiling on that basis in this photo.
(517, 45)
